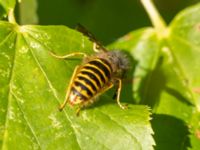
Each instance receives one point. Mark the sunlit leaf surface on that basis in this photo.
(33, 84)
(166, 77)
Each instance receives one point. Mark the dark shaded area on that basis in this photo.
(170, 8)
(107, 19)
(154, 83)
(128, 81)
(2, 12)
(170, 133)
(178, 95)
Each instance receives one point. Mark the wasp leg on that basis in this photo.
(107, 88)
(115, 95)
(98, 48)
(118, 94)
(95, 48)
(78, 111)
(69, 55)
(68, 89)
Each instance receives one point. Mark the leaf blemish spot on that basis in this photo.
(55, 122)
(5, 73)
(83, 42)
(23, 50)
(5, 55)
(11, 114)
(198, 134)
(198, 26)
(85, 117)
(197, 90)
(11, 45)
(34, 45)
(126, 37)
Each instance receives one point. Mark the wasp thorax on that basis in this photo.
(118, 60)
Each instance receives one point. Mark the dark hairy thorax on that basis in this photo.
(117, 60)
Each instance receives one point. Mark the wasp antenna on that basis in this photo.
(97, 45)
(81, 29)
(85, 32)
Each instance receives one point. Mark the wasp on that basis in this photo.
(97, 73)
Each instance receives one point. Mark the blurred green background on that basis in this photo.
(107, 19)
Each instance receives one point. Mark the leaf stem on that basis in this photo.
(154, 16)
(11, 17)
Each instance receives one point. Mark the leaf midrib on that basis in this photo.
(9, 93)
(50, 86)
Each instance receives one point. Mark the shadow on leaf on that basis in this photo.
(170, 133)
(156, 82)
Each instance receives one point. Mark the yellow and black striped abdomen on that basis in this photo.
(90, 79)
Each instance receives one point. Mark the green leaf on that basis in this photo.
(2, 12)
(195, 130)
(6, 5)
(158, 85)
(28, 12)
(185, 30)
(184, 40)
(33, 84)
(166, 77)
(170, 132)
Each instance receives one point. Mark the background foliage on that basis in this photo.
(164, 71)
(108, 20)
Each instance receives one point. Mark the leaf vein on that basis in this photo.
(25, 118)
(185, 42)
(6, 38)
(123, 128)
(51, 86)
(9, 95)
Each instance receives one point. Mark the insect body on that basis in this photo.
(97, 74)
(91, 79)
